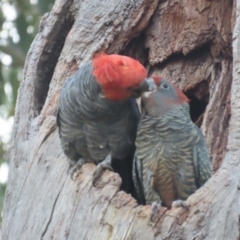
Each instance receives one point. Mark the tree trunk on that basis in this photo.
(188, 42)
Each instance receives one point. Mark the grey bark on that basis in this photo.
(187, 41)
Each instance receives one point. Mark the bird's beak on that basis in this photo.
(151, 84)
(148, 85)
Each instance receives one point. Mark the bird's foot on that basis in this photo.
(74, 167)
(180, 203)
(155, 212)
(105, 165)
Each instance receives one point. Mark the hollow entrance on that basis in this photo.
(199, 98)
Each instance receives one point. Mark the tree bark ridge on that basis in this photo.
(191, 47)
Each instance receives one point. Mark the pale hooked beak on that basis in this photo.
(148, 85)
(151, 87)
(151, 84)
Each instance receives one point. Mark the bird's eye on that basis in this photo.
(165, 86)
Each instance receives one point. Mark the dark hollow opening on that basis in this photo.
(199, 98)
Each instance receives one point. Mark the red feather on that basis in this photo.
(117, 73)
(157, 79)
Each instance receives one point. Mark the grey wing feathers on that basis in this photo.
(138, 179)
(201, 162)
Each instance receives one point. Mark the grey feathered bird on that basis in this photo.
(98, 116)
(172, 158)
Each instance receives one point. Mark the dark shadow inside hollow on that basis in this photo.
(48, 61)
(199, 98)
(136, 49)
(124, 168)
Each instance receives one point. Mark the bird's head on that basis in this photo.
(163, 98)
(120, 76)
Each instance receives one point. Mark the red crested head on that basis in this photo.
(118, 75)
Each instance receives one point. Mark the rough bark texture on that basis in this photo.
(188, 42)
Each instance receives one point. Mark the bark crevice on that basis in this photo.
(187, 42)
(51, 216)
(51, 52)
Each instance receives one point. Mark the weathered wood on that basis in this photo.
(184, 26)
(188, 42)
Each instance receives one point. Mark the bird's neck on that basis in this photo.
(176, 114)
(173, 126)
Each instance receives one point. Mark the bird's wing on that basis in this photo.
(138, 179)
(201, 161)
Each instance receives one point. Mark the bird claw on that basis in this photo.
(180, 203)
(155, 211)
(73, 168)
(99, 170)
